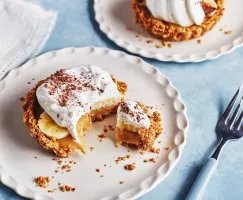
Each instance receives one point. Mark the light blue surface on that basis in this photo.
(206, 88)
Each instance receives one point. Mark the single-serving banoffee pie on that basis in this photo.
(58, 109)
(178, 20)
(137, 125)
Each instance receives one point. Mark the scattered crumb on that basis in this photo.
(168, 148)
(21, 98)
(159, 46)
(110, 165)
(105, 129)
(128, 150)
(128, 28)
(130, 167)
(51, 191)
(91, 148)
(56, 171)
(154, 150)
(199, 41)
(101, 176)
(28, 82)
(35, 157)
(169, 45)
(59, 162)
(67, 168)
(67, 188)
(42, 181)
(150, 41)
(97, 170)
(160, 142)
(142, 152)
(137, 36)
(104, 165)
(228, 32)
(122, 182)
(150, 160)
(111, 128)
(164, 43)
(102, 135)
(221, 29)
(74, 162)
(122, 158)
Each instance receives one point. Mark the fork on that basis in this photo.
(229, 127)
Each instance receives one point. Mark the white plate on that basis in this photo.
(17, 149)
(115, 16)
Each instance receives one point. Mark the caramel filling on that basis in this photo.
(128, 137)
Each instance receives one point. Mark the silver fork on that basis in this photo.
(229, 127)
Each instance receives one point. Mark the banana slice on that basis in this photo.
(196, 11)
(50, 128)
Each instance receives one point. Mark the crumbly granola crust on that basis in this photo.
(172, 32)
(30, 107)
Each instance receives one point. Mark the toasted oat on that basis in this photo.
(142, 152)
(130, 167)
(42, 181)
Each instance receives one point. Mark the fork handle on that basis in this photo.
(202, 179)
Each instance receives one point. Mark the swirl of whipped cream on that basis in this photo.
(182, 12)
(131, 113)
(71, 93)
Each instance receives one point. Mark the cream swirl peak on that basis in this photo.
(182, 12)
(131, 113)
(71, 93)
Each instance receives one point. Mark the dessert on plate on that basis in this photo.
(137, 125)
(58, 109)
(178, 20)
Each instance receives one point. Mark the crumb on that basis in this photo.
(33, 79)
(130, 167)
(169, 45)
(116, 145)
(28, 82)
(51, 191)
(150, 41)
(137, 36)
(164, 43)
(128, 28)
(91, 148)
(35, 157)
(52, 177)
(142, 152)
(97, 170)
(110, 165)
(42, 181)
(67, 188)
(21, 98)
(128, 150)
(66, 167)
(56, 171)
(74, 162)
(102, 135)
(154, 150)
(101, 176)
(104, 165)
(199, 41)
(111, 128)
(159, 46)
(105, 129)
(59, 162)
(221, 29)
(159, 142)
(228, 32)
(150, 160)
(168, 148)
(121, 182)
(122, 158)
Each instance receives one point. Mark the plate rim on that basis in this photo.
(179, 58)
(147, 184)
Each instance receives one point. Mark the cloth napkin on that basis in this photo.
(24, 30)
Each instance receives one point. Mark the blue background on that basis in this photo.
(206, 89)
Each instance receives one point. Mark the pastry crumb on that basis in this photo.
(142, 152)
(122, 158)
(67, 188)
(130, 167)
(116, 145)
(22, 99)
(154, 150)
(91, 148)
(228, 32)
(199, 41)
(42, 181)
(122, 182)
(150, 41)
(169, 45)
(97, 170)
(111, 128)
(168, 148)
(101, 176)
(51, 191)
(150, 160)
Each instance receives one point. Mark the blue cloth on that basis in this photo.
(206, 89)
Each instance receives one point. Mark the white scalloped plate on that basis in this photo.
(114, 16)
(18, 166)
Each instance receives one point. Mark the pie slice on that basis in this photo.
(137, 125)
(58, 109)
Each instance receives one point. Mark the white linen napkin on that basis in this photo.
(24, 29)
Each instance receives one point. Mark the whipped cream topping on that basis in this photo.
(71, 93)
(182, 12)
(131, 113)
